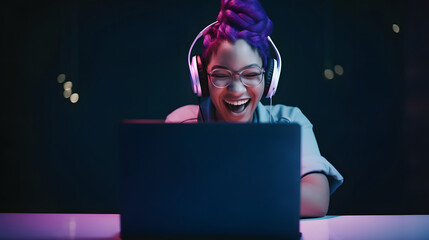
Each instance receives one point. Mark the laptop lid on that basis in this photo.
(212, 180)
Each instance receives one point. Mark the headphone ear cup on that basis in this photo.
(269, 70)
(203, 77)
(195, 80)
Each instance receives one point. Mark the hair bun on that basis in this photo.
(240, 19)
(245, 15)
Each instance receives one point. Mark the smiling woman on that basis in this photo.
(235, 96)
(235, 72)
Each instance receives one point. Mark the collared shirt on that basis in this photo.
(311, 160)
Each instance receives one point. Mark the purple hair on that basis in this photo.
(239, 19)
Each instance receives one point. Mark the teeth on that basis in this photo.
(237, 103)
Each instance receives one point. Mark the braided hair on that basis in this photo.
(239, 19)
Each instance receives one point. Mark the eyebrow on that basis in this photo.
(248, 66)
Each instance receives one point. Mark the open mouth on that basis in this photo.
(237, 106)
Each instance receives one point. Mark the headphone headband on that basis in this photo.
(195, 80)
(276, 74)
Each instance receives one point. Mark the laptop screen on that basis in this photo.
(212, 180)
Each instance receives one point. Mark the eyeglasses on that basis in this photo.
(250, 77)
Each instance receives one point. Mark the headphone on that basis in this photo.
(199, 79)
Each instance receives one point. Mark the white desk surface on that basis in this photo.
(107, 226)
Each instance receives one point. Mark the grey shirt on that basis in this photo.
(311, 160)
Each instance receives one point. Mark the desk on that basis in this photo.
(366, 227)
(106, 226)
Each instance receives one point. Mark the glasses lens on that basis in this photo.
(221, 77)
(251, 76)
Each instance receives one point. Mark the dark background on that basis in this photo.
(127, 59)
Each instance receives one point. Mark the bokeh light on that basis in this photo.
(328, 73)
(61, 78)
(339, 70)
(67, 93)
(68, 85)
(395, 28)
(74, 98)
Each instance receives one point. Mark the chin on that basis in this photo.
(244, 116)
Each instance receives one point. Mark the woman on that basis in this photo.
(235, 60)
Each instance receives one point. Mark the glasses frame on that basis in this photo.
(239, 76)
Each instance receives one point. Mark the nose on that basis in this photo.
(236, 85)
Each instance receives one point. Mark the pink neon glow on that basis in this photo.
(107, 226)
(366, 227)
(59, 226)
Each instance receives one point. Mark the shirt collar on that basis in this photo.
(207, 111)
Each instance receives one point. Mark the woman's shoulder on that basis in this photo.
(283, 113)
(185, 114)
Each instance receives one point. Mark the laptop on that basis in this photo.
(209, 181)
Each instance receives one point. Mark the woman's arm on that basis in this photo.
(314, 195)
